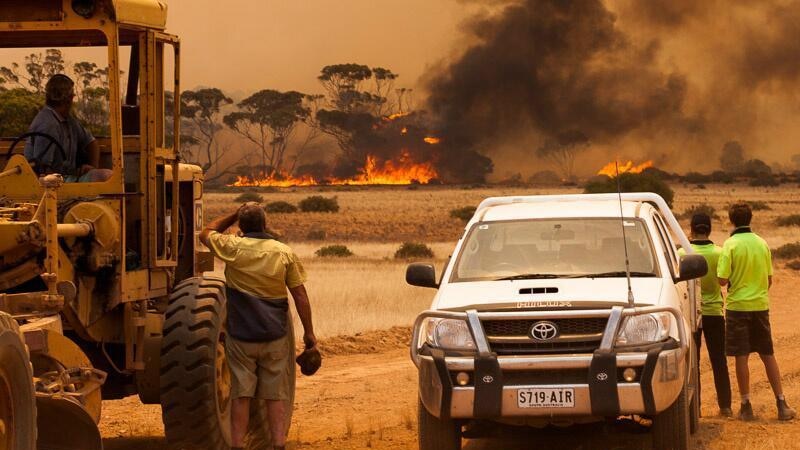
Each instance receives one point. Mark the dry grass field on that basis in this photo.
(367, 398)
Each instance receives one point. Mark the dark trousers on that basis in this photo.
(714, 331)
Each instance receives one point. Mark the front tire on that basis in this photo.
(195, 382)
(17, 397)
(437, 434)
(671, 428)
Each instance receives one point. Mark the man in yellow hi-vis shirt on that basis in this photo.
(745, 266)
(258, 271)
(711, 308)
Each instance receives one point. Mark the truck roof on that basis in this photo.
(561, 209)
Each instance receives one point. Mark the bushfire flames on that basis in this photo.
(400, 172)
(610, 169)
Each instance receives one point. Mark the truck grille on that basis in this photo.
(576, 335)
(566, 327)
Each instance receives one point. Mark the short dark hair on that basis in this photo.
(59, 90)
(740, 214)
(252, 219)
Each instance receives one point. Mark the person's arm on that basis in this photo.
(769, 280)
(303, 306)
(220, 224)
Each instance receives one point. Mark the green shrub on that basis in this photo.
(696, 178)
(318, 203)
(765, 180)
(280, 207)
(249, 196)
(316, 234)
(632, 182)
(410, 250)
(464, 214)
(338, 251)
(702, 208)
(787, 251)
(720, 176)
(792, 220)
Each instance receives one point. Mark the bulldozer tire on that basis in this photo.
(195, 383)
(17, 397)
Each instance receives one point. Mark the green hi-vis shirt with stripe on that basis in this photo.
(712, 303)
(746, 262)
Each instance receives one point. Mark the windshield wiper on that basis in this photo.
(530, 276)
(617, 274)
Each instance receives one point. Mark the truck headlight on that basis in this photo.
(644, 329)
(449, 334)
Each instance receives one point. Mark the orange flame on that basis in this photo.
(403, 171)
(610, 169)
(432, 140)
(395, 116)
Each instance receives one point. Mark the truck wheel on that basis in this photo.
(671, 428)
(195, 383)
(437, 434)
(17, 397)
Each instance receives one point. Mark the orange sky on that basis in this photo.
(245, 45)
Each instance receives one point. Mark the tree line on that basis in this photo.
(279, 127)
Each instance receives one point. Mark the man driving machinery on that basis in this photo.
(61, 144)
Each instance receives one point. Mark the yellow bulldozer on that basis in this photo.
(102, 293)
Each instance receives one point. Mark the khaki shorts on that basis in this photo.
(258, 369)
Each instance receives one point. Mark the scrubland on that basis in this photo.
(365, 395)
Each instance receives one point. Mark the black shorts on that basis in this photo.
(748, 332)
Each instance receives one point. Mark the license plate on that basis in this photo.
(546, 398)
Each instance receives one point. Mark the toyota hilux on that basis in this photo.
(559, 310)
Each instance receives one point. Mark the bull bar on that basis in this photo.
(600, 396)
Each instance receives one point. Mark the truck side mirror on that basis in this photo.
(422, 275)
(692, 266)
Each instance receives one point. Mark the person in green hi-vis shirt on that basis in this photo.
(711, 308)
(745, 266)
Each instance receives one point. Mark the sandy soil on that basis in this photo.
(365, 397)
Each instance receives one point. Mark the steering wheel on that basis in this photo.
(46, 150)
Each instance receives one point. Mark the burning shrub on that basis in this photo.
(792, 220)
(632, 182)
(702, 208)
(465, 213)
(249, 196)
(411, 250)
(337, 251)
(280, 207)
(318, 203)
(787, 251)
(316, 234)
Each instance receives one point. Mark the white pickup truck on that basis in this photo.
(534, 323)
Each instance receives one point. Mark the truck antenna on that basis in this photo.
(631, 301)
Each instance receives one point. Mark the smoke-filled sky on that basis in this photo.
(669, 80)
(244, 45)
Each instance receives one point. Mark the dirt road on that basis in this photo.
(368, 401)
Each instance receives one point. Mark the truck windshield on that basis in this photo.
(555, 248)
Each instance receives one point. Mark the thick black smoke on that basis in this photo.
(669, 77)
(555, 67)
